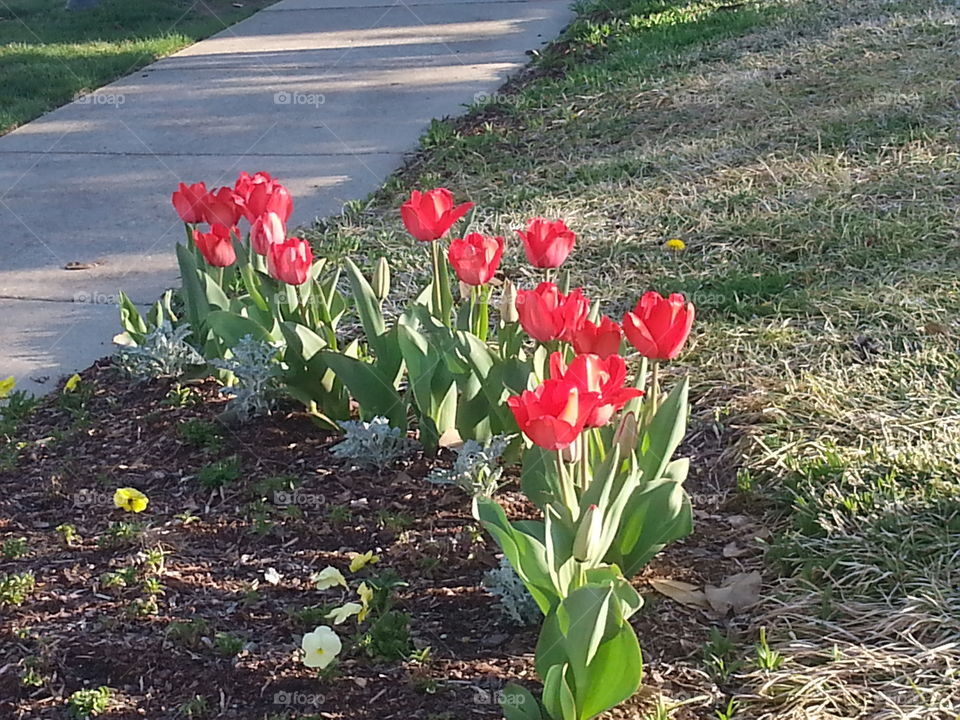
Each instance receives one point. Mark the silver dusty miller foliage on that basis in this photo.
(253, 364)
(477, 468)
(164, 352)
(516, 603)
(372, 444)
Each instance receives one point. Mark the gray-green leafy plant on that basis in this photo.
(372, 444)
(476, 470)
(163, 352)
(514, 600)
(254, 367)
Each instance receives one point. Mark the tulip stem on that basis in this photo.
(567, 490)
(584, 460)
(654, 387)
(437, 290)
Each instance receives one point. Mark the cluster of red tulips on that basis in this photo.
(266, 205)
(590, 390)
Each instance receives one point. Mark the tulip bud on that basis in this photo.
(626, 434)
(381, 279)
(586, 544)
(508, 303)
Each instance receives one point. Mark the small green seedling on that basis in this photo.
(767, 659)
(14, 548)
(89, 703)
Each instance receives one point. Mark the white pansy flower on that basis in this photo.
(320, 647)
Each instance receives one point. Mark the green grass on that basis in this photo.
(49, 55)
(807, 154)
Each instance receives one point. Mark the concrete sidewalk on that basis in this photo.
(327, 95)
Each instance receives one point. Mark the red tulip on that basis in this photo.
(430, 215)
(547, 244)
(290, 261)
(554, 414)
(267, 196)
(245, 183)
(603, 339)
(216, 246)
(267, 230)
(546, 314)
(658, 327)
(603, 377)
(188, 202)
(475, 258)
(221, 207)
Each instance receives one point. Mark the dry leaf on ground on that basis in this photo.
(683, 593)
(737, 593)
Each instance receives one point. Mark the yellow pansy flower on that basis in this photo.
(347, 610)
(360, 561)
(329, 577)
(130, 499)
(7, 386)
(366, 595)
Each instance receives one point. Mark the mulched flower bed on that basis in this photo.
(219, 630)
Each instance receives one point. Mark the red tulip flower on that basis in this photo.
(429, 216)
(602, 377)
(554, 414)
(245, 183)
(290, 261)
(216, 246)
(475, 258)
(188, 202)
(658, 327)
(221, 207)
(603, 339)
(546, 314)
(267, 230)
(267, 196)
(547, 244)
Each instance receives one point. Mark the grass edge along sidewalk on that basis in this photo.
(49, 55)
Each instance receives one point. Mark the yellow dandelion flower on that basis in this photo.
(675, 244)
(71, 384)
(130, 499)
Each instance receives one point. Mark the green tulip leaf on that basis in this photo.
(657, 514)
(524, 550)
(131, 320)
(518, 703)
(665, 432)
(192, 292)
(374, 393)
(558, 699)
(232, 328)
(539, 477)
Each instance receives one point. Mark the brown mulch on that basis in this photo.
(79, 633)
